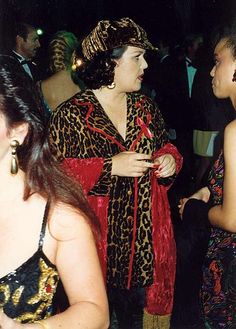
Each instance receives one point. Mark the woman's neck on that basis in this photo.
(110, 96)
(12, 186)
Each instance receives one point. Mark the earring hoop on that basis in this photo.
(14, 160)
(112, 85)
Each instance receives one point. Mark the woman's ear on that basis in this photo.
(19, 132)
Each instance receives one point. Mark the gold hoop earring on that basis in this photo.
(112, 85)
(14, 160)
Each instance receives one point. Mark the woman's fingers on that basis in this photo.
(130, 164)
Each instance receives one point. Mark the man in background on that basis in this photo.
(25, 46)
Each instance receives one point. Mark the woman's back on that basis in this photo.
(58, 88)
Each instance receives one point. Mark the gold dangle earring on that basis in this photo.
(73, 66)
(14, 161)
(76, 62)
(112, 85)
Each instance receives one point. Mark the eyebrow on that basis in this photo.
(141, 51)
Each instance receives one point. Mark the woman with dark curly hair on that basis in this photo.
(112, 140)
(46, 224)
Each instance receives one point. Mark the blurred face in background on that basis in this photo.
(223, 71)
(28, 47)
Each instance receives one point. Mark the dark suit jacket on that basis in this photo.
(173, 93)
(32, 66)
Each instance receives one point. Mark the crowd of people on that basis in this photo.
(103, 181)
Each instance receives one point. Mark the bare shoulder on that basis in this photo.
(67, 223)
(231, 128)
(47, 84)
(230, 134)
(230, 144)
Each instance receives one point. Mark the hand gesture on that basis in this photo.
(130, 164)
(165, 166)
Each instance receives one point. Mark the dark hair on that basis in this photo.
(22, 29)
(43, 174)
(8, 38)
(99, 71)
(228, 33)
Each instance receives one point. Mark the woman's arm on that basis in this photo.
(79, 269)
(76, 259)
(224, 216)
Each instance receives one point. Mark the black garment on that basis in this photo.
(173, 94)
(23, 80)
(192, 236)
(31, 65)
(176, 107)
(196, 214)
(127, 305)
(27, 293)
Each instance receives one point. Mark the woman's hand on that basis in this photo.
(166, 166)
(181, 205)
(203, 194)
(130, 164)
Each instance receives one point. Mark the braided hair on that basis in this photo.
(61, 48)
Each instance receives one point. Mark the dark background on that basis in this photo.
(158, 17)
(172, 19)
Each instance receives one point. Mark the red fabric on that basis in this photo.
(160, 293)
(170, 149)
(87, 172)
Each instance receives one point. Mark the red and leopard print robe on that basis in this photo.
(137, 247)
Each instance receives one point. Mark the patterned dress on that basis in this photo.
(138, 248)
(218, 293)
(27, 294)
